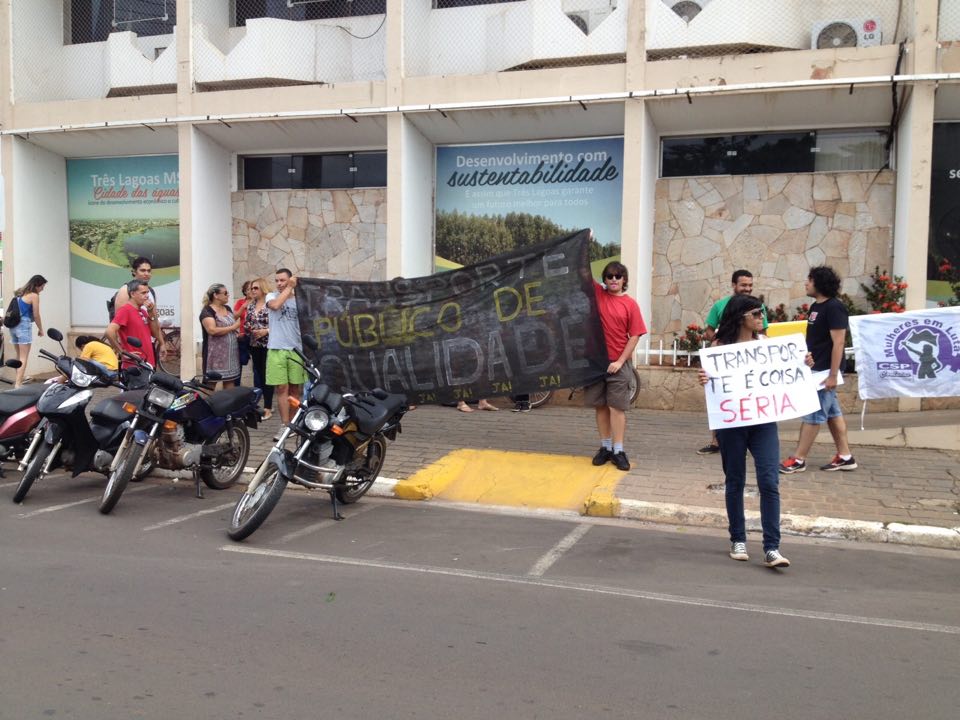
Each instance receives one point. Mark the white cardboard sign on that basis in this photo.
(758, 382)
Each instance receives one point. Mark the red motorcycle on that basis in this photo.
(18, 417)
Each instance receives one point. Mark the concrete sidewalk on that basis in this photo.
(899, 494)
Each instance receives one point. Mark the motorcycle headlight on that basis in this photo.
(160, 397)
(79, 378)
(316, 420)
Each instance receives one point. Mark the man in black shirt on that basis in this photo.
(826, 336)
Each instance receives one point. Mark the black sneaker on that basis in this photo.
(602, 456)
(522, 407)
(838, 463)
(620, 460)
(708, 449)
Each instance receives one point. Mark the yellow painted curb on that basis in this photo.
(533, 480)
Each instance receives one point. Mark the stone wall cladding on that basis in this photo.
(337, 234)
(776, 226)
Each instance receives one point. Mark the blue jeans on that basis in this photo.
(763, 442)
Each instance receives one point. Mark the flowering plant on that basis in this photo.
(778, 314)
(692, 339)
(886, 292)
(952, 275)
(801, 312)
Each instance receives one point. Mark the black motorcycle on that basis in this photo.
(341, 446)
(181, 425)
(65, 437)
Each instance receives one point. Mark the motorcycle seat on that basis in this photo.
(110, 411)
(227, 402)
(372, 413)
(12, 401)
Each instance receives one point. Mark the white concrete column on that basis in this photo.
(411, 167)
(639, 186)
(37, 240)
(206, 242)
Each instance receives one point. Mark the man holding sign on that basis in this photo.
(750, 385)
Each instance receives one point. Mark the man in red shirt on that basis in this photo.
(622, 327)
(133, 320)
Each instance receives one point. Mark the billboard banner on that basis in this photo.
(516, 323)
(121, 208)
(492, 199)
(910, 354)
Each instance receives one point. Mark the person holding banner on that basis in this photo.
(610, 397)
(742, 284)
(742, 321)
(826, 336)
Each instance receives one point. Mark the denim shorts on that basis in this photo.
(22, 334)
(829, 408)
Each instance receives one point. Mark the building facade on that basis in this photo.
(768, 135)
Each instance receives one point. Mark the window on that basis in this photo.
(443, 4)
(305, 9)
(94, 20)
(767, 153)
(328, 170)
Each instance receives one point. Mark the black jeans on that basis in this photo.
(258, 358)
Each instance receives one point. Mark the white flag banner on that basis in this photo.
(758, 382)
(910, 354)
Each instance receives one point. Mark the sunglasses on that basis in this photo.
(613, 276)
(755, 314)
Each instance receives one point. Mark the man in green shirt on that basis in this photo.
(742, 282)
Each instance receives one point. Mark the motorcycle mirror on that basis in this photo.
(134, 342)
(13, 363)
(54, 334)
(310, 342)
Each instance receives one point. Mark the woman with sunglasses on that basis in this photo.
(742, 321)
(256, 325)
(220, 335)
(610, 397)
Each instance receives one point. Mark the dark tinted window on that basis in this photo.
(94, 21)
(332, 170)
(306, 9)
(768, 153)
(266, 173)
(371, 169)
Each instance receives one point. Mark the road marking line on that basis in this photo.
(55, 508)
(600, 590)
(558, 550)
(191, 516)
(296, 534)
(10, 484)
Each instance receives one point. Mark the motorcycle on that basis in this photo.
(182, 426)
(64, 435)
(18, 417)
(342, 443)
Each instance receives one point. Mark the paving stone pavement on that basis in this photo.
(906, 485)
(892, 485)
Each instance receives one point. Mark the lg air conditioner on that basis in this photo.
(830, 34)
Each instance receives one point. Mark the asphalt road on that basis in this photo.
(419, 610)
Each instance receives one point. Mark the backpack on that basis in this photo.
(11, 318)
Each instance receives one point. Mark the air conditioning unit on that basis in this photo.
(828, 34)
(687, 9)
(588, 18)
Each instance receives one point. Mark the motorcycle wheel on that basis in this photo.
(222, 477)
(119, 478)
(357, 485)
(256, 505)
(32, 471)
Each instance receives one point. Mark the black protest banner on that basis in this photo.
(519, 322)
